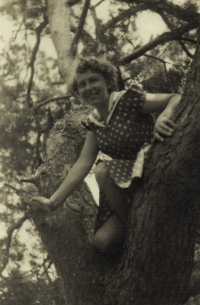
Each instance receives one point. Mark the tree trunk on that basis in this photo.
(59, 23)
(158, 257)
(67, 233)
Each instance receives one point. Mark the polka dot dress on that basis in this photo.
(123, 139)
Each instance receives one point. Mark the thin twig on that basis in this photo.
(157, 58)
(11, 187)
(31, 65)
(50, 101)
(18, 29)
(28, 181)
(18, 191)
(38, 31)
(46, 268)
(187, 52)
(98, 3)
(189, 40)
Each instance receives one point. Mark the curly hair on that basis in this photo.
(105, 68)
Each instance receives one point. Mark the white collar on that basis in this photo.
(95, 116)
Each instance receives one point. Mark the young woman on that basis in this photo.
(120, 128)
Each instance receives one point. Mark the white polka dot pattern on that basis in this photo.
(122, 138)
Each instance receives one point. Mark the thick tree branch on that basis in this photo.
(10, 232)
(72, 2)
(161, 39)
(126, 14)
(155, 6)
(96, 21)
(171, 27)
(59, 23)
(83, 35)
(170, 8)
(80, 27)
(173, 10)
(101, 47)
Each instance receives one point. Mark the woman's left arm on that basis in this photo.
(157, 102)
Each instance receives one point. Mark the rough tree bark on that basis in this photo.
(67, 232)
(158, 257)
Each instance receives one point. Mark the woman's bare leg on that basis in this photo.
(110, 237)
(117, 196)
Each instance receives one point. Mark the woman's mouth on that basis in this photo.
(91, 95)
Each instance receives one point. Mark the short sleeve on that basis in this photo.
(87, 124)
(135, 97)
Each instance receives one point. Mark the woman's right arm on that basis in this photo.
(76, 175)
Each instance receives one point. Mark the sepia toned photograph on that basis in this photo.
(100, 152)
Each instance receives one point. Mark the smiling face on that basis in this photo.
(92, 88)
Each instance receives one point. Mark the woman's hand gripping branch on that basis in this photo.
(164, 126)
(41, 200)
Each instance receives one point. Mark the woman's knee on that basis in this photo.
(107, 246)
(101, 174)
(101, 243)
(110, 237)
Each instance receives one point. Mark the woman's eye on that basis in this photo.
(81, 85)
(94, 80)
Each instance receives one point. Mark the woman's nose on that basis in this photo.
(88, 86)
